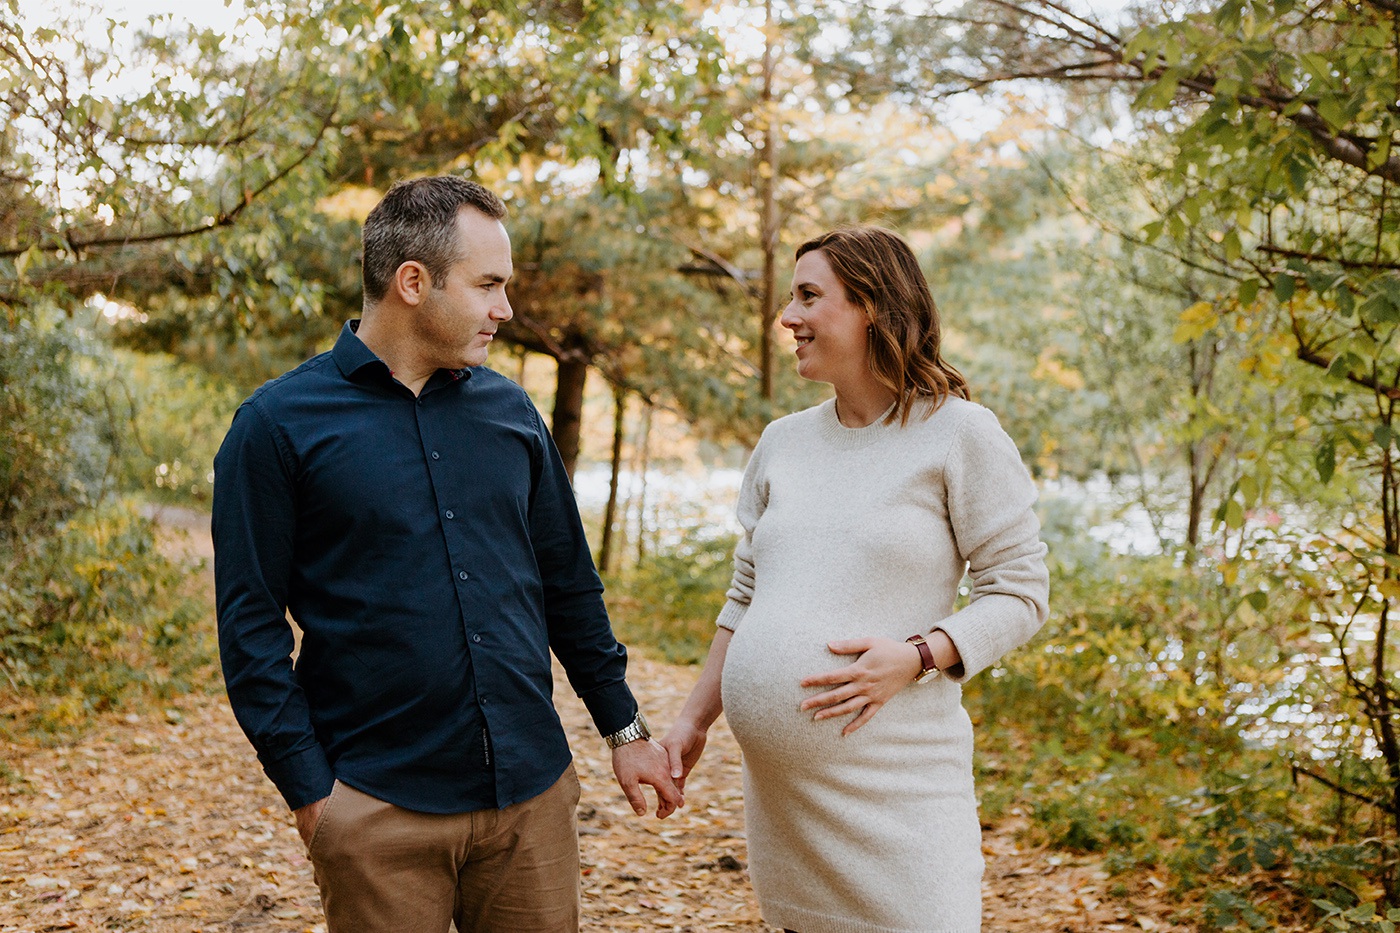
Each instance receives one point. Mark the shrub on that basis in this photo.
(181, 414)
(90, 610)
(94, 614)
(668, 604)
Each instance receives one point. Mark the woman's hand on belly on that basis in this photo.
(884, 668)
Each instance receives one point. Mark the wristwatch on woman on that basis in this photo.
(930, 666)
(633, 731)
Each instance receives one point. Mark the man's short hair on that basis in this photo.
(417, 221)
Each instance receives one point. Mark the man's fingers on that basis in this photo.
(671, 793)
(636, 798)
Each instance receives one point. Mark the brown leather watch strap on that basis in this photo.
(925, 653)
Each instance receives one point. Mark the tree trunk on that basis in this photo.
(1201, 461)
(568, 410)
(642, 496)
(1197, 505)
(768, 180)
(605, 551)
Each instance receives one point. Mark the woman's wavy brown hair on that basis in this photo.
(882, 277)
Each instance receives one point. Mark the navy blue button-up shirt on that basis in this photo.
(430, 550)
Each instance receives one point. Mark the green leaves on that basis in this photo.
(1160, 92)
(1364, 916)
(1325, 459)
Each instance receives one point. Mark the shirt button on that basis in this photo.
(448, 513)
(477, 639)
(436, 456)
(461, 575)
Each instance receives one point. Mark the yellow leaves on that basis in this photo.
(1266, 362)
(350, 203)
(1230, 571)
(1045, 460)
(1389, 588)
(1195, 322)
(941, 186)
(1048, 368)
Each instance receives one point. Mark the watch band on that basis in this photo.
(632, 732)
(930, 666)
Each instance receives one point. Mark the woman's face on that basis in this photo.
(832, 341)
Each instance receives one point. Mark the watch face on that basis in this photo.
(642, 725)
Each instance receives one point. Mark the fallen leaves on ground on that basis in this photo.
(163, 821)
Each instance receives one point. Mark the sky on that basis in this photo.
(203, 12)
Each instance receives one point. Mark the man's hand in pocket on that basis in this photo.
(307, 817)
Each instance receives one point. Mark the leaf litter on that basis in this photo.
(163, 821)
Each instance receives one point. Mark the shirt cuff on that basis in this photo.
(612, 707)
(731, 615)
(303, 778)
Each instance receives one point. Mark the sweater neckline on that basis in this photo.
(844, 438)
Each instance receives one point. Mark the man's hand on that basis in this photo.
(307, 818)
(884, 668)
(684, 744)
(644, 762)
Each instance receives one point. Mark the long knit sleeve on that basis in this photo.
(991, 500)
(753, 498)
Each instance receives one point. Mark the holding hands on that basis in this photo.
(684, 745)
(685, 742)
(645, 762)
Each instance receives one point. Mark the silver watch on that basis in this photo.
(634, 730)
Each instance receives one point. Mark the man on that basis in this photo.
(409, 508)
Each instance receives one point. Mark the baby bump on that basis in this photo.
(769, 655)
(761, 685)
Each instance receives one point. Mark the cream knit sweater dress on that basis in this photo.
(863, 532)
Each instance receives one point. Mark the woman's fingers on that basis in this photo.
(839, 676)
(850, 645)
(853, 705)
(862, 719)
(839, 695)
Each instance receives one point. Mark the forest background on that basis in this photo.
(1163, 239)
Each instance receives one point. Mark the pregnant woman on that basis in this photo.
(839, 656)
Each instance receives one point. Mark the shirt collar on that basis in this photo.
(355, 359)
(351, 354)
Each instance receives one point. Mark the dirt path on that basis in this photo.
(163, 821)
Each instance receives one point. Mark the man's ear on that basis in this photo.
(411, 282)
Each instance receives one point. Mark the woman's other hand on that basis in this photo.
(684, 744)
(884, 668)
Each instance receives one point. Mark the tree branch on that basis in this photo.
(1328, 782)
(1308, 354)
(223, 219)
(1318, 257)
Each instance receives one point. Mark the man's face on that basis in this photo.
(456, 322)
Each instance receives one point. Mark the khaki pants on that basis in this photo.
(384, 869)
